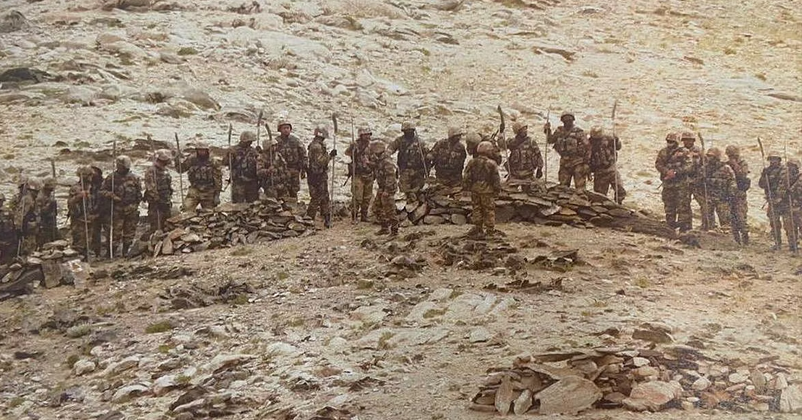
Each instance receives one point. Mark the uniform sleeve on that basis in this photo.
(302, 155)
(537, 157)
(467, 175)
(495, 178)
(660, 162)
(394, 145)
(217, 173)
(350, 150)
(762, 182)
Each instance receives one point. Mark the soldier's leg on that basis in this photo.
(78, 234)
(601, 183)
(564, 175)
(388, 212)
(191, 201)
(684, 212)
(723, 212)
(116, 232)
(477, 213)
(130, 222)
(619, 186)
(314, 205)
(237, 194)
(325, 199)
(367, 195)
(670, 200)
(790, 230)
(357, 187)
(489, 210)
(580, 175)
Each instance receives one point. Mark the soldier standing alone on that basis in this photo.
(294, 154)
(738, 205)
(127, 194)
(318, 177)
(159, 191)
(484, 182)
(603, 149)
(448, 158)
(572, 145)
(387, 185)
(205, 178)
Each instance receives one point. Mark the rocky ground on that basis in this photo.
(340, 319)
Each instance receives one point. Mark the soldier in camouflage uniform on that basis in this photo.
(472, 141)
(243, 172)
(770, 183)
(675, 166)
(318, 176)
(697, 177)
(294, 154)
(159, 191)
(272, 170)
(447, 157)
(572, 145)
(411, 164)
(785, 201)
(795, 193)
(484, 182)
(738, 205)
(387, 184)
(361, 170)
(525, 162)
(603, 150)
(26, 217)
(126, 195)
(205, 178)
(101, 213)
(48, 212)
(82, 197)
(721, 188)
(8, 235)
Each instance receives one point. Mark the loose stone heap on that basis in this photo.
(54, 265)
(638, 380)
(229, 225)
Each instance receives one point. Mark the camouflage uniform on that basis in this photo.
(574, 150)
(127, 194)
(48, 212)
(770, 183)
(294, 154)
(525, 161)
(243, 161)
(721, 189)
(484, 182)
(82, 195)
(603, 151)
(362, 179)
(785, 202)
(272, 169)
(158, 194)
(448, 159)
(318, 177)
(411, 165)
(738, 205)
(205, 179)
(101, 212)
(697, 178)
(8, 235)
(674, 165)
(387, 185)
(795, 192)
(26, 218)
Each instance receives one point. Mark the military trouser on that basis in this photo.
(780, 217)
(606, 178)
(449, 178)
(578, 172)
(244, 191)
(677, 205)
(483, 212)
(96, 229)
(292, 185)
(319, 193)
(8, 250)
(78, 231)
(721, 208)
(698, 194)
(124, 223)
(158, 213)
(206, 199)
(385, 210)
(410, 182)
(362, 192)
(28, 243)
(738, 208)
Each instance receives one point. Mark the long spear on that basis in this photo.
(180, 172)
(546, 153)
(86, 217)
(773, 220)
(706, 210)
(333, 162)
(155, 183)
(794, 237)
(111, 212)
(615, 152)
(354, 210)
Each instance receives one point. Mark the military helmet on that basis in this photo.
(517, 126)
(164, 155)
(322, 132)
(794, 162)
(49, 182)
(85, 172)
(124, 161)
(200, 144)
(473, 139)
(364, 130)
(596, 131)
(283, 122)
(714, 152)
(567, 114)
(377, 147)
(774, 155)
(732, 150)
(485, 148)
(455, 130)
(34, 184)
(672, 138)
(687, 135)
(247, 137)
(407, 125)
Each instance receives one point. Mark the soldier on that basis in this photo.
(82, 197)
(721, 188)
(770, 182)
(271, 169)
(525, 162)
(101, 212)
(159, 191)
(8, 235)
(785, 202)
(411, 164)
(242, 162)
(484, 182)
(318, 177)
(448, 158)
(795, 193)
(126, 196)
(674, 165)
(738, 206)
(26, 217)
(472, 141)
(572, 145)
(48, 212)
(387, 184)
(205, 178)
(603, 149)
(294, 154)
(361, 170)
(697, 177)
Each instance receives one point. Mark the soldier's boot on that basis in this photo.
(745, 238)
(363, 215)
(383, 231)
(737, 236)
(327, 221)
(126, 248)
(311, 213)
(475, 232)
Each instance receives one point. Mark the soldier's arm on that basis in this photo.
(617, 143)
(303, 157)
(393, 146)
(762, 182)
(660, 163)
(350, 150)
(217, 169)
(495, 179)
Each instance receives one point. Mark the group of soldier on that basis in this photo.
(109, 207)
(689, 173)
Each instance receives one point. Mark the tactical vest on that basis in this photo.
(481, 175)
(201, 173)
(291, 150)
(361, 157)
(163, 183)
(523, 156)
(602, 153)
(570, 144)
(387, 175)
(741, 171)
(449, 157)
(128, 189)
(410, 154)
(244, 162)
(721, 182)
(317, 157)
